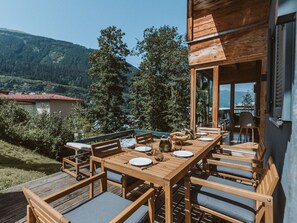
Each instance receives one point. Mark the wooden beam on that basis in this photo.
(232, 100)
(228, 62)
(239, 76)
(262, 99)
(193, 100)
(216, 95)
(190, 21)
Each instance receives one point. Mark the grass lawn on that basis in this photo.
(19, 165)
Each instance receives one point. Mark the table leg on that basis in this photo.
(76, 156)
(168, 203)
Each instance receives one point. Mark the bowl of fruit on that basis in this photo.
(179, 137)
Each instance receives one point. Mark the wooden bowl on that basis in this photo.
(181, 138)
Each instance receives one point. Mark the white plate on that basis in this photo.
(128, 143)
(143, 149)
(183, 153)
(140, 161)
(206, 139)
(202, 133)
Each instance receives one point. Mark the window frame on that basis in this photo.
(283, 45)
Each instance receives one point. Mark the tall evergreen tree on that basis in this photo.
(108, 64)
(158, 93)
(179, 82)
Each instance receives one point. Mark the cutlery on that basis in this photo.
(145, 167)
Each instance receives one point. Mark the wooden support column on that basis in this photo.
(216, 94)
(232, 99)
(262, 98)
(190, 21)
(193, 100)
(258, 88)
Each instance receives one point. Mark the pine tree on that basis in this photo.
(247, 101)
(158, 96)
(108, 64)
(179, 82)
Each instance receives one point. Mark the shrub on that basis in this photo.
(12, 119)
(45, 133)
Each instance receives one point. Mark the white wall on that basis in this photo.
(63, 107)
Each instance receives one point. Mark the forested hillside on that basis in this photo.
(30, 57)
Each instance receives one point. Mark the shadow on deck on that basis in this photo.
(13, 203)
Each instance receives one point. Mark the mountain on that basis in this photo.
(225, 98)
(30, 63)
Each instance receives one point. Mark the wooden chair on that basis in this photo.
(238, 165)
(246, 121)
(79, 160)
(144, 138)
(209, 130)
(105, 207)
(108, 148)
(230, 200)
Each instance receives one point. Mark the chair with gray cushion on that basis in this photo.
(230, 200)
(104, 149)
(244, 163)
(105, 207)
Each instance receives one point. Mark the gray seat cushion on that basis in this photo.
(117, 177)
(231, 205)
(234, 171)
(104, 208)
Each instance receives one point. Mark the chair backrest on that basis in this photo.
(266, 186)
(106, 148)
(261, 150)
(41, 210)
(269, 179)
(144, 138)
(209, 130)
(246, 120)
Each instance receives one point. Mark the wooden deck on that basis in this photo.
(13, 203)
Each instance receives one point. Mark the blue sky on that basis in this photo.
(80, 21)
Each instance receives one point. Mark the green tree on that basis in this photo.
(108, 64)
(177, 116)
(159, 92)
(12, 117)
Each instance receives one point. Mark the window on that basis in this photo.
(283, 67)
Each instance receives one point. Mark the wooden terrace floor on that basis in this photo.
(13, 203)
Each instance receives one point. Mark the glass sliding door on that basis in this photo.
(204, 97)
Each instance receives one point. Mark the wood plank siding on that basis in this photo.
(228, 31)
(245, 45)
(210, 17)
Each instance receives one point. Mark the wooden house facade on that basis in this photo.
(251, 41)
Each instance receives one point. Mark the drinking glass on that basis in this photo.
(149, 153)
(158, 155)
(178, 145)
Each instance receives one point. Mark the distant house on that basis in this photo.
(50, 103)
(4, 92)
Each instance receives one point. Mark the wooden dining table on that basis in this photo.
(164, 173)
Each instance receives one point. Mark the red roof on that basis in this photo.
(38, 97)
